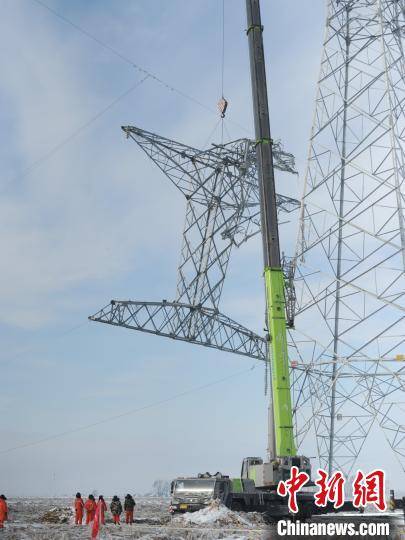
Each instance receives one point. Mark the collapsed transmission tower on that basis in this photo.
(221, 189)
(350, 283)
(348, 291)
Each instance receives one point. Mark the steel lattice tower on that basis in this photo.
(221, 189)
(351, 252)
(349, 264)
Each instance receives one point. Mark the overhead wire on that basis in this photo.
(122, 56)
(147, 75)
(130, 412)
(92, 119)
(40, 347)
(47, 156)
(74, 134)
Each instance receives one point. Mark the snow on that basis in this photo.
(152, 522)
(52, 519)
(215, 513)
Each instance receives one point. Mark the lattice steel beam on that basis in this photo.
(350, 284)
(184, 322)
(222, 211)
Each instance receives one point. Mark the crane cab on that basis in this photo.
(268, 475)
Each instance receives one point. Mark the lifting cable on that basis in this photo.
(223, 48)
(222, 103)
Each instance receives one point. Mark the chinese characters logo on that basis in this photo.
(366, 489)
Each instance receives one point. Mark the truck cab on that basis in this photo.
(190, 494)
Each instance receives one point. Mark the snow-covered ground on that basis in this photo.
(52, 519)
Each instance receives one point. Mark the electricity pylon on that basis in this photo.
(348, 343)
(350, 285)
(221, 189)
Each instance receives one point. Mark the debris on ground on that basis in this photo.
(57, 515)
(33, 518)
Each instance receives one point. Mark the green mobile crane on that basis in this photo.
(281, 448)
(255, 490)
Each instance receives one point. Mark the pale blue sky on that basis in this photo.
(96, 220)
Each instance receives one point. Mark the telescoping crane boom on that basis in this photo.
(282, 450)
(255, 489)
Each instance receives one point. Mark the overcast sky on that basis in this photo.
(85, 217)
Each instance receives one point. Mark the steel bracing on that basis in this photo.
(348, 290)
(185, 322)
(351, 252)
(222, 211)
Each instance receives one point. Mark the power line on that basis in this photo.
(122, 56)
(130, 412)
(147, 75)
(75, 133)
(35, 348)
(133, 64)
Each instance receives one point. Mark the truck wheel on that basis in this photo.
(269, 519)
(237, 506)
(304, 512)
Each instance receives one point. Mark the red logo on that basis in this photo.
(292, 486)
(366, 489)
(330, 489)
(369, 489)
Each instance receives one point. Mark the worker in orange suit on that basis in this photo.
(103, 509)
(90, 506)
(79, 507)
(3, 510)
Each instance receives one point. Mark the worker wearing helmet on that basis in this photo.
(116, 509)
(79, 507)
(90, 507)
(129, 506)
(103, 509)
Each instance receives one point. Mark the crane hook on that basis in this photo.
(222, 106)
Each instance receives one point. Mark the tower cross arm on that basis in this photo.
(185, 322)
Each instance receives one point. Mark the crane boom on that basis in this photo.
(282, 443)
